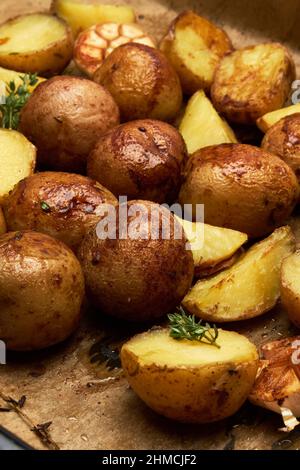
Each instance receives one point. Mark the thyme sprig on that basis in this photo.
(183, 326)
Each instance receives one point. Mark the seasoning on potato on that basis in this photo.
(195, 47)
(17, 160)
(142, 81)
(95, 43)
(241, 186)
(283, 140)
(141, 270)
(253, 81)
(63, 205)
(36, 42)
(141, 159)
(249, 288)
(290, 287)
(64, 117)
(189, 380)
(41, 291)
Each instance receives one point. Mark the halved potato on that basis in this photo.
(290, 287)
(2, 223)
(211, 245)
(36, 43)
(269, 119)
(202, 126)
(7, 76)
(190, 381)
(81, 15)
(247, 289)
(195, 46)
(277, 386)
(252, 82)
(17, 160)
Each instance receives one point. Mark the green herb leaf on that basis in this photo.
(183, 326)
(45, 207)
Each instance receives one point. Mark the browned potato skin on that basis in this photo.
(283, 139)
(64, 118)
(241, 186)
(136, 280)
(142, 159)
(142, 82)
(263, 100)
(73, 202)
(2, 222)
(41, 291)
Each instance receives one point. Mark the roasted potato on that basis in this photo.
(190, 381)
(195, 47)
(62, 205)
(142, 81)
(17, 157)
(290, 287)
(141, 159)
(211, 246)
(269, 119)
(283, 139)
(64, 117)
(249, 288)
(96, 43)
(202, 126)
(241, 186)
(2, 223)
(41, 291)
(143, 269)
(81, 15)
(277, 386)
(252, 82)
(36, 43)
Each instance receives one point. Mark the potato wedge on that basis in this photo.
(252, 82)
(202, 126)
(290, 287)
(211, 245)
(268, 120)
(81, 15)
(195, 47)
(17, 160)
(7, 76)
(247, 289)
(277, 386)
(36, 43)
(189, 381)
(2, 223)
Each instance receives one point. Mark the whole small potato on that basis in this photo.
(283, 139)
(241, 186)
(64, 117)
(142, 81)
(142, 159)
(140, 272)
(41, 291)
(62, 205)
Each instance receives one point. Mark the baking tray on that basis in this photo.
(77, 388)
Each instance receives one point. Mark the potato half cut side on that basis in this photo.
(195, 46)
(290, 287)
(190, 381)
(277, 386)
(36, 43)
(81, 15)
(211, 245)
(247, 289)
(202, 126)
(17, 160)
(269, 119)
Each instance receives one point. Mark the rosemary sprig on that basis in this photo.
(16, 98)
(183, 326)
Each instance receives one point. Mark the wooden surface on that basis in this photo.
(78, 385)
